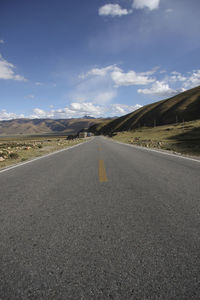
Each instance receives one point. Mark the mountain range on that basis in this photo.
(46, 126)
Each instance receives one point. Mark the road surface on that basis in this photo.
(101, 221)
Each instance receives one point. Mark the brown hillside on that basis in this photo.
(185, 106)
(45, 126)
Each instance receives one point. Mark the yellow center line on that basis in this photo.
(99, 147)
(102, 172)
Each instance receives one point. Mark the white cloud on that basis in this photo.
(116, 10)
(99, 71)
(86, 108)
(119, 78)
(93, 110)
(193, 80)
(99, 85)
(30, 96)
(2, 42)
(130, 78)
(113, 10)
(167, 86)
(41, 114)
(150, 4)
(176, 76)
(179, 82)
(4, 115)
(95, 86)
(188, 81)
(160, 89)
(7, 71)
(74, 110)
(122, 109)
(151, 72)
(38, 83)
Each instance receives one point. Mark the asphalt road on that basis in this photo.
(101, 221)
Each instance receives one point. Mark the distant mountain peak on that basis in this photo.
(88, 117)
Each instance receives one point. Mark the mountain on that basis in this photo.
(185, 106)
(88, 117)
(45, 126)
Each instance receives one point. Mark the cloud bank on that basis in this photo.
(75, 110)
(168, 86)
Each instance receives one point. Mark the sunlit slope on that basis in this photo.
(185, 106)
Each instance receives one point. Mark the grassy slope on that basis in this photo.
(181, 138)
(185, 106)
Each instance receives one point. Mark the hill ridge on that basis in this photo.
(182, 107)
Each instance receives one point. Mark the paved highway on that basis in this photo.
(101, 221)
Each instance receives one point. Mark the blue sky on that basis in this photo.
(63, 59)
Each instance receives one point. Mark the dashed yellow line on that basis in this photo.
(102, 172)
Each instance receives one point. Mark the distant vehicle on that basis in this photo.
(83, 134)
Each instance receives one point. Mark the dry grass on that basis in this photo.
(19, 149)
(179, 138)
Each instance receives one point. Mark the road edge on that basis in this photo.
(40, 157)
(155, 150)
